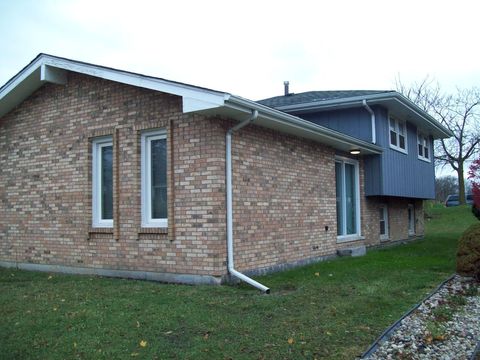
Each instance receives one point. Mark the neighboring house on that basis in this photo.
(108, 172)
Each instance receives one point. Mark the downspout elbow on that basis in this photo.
(372, 120)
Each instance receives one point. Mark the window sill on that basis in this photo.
(384, 238)
(349, 238)
(153, 230)
(424, 159)
(399, 149)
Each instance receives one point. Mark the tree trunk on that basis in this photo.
(461, 184)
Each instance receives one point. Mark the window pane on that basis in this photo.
(107, 183)
(426, 153)
(338, 185)
(159, 178)
(392, 124)
(420, 149)
(401, 141)
(393, 138)
(350, 199)
(382, 227)
(401, 128)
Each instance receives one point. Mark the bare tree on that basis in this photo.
(444, 186)
(460, 113)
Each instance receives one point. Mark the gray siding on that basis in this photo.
(392, 173)
(354, 122)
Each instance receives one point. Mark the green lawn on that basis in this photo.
(331, 310)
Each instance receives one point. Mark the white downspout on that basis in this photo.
(228, 159)
(372, 116)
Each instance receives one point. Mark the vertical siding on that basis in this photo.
(405, 174)
(354, 122)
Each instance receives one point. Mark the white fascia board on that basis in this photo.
(137, 80)
(319, 132)
(46, 68)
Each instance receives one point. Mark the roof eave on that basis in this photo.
(440, 131)
(280, 120)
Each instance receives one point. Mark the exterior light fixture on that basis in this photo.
(355, 151)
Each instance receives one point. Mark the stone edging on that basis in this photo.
(391, 329)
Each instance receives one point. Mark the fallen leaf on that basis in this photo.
(75, 345)
(205, 336)
(291, 341)
(143, 343)
(138, 324)
(317, 274)
(134, 354)
(328, 333)
(50, 277)
(168, 332)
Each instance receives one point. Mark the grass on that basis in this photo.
(333, 309)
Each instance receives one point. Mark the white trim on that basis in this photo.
(97, 145)
(146, 167)
(384, 209)
(396, 129)
(425, 139)
(358, 234)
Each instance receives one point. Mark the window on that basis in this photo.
(383, 212)
(411, 220)
(348, 199)
(423, 147)
(102, 182)
(154, 179)
(398, 135)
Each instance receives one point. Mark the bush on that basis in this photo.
(476, 211)
(468, 255)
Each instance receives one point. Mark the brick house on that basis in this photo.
(113, 173)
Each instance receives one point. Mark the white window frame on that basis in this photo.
(97, 145)
(385, 236)
(423, 140)
(146, 168)
(396, 129)
(358, 234)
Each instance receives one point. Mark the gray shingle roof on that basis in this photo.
(313, 96)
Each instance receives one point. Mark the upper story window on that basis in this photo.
(423, 147)
(398, 135)
(154, 179)
(102, 182)
(348, 198)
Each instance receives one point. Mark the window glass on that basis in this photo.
(154, 179)
(102, 182)
(107, 182)
(339, 190)
(398, 133)
(350, 199)
(159, 178)
(347, 198)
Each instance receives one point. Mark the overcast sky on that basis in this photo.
(249, 48)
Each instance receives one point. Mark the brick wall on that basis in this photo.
(284, 187)
(45, 187)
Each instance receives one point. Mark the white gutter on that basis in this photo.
(228, 160)
(372, 116)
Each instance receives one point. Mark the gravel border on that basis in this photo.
(445, 325)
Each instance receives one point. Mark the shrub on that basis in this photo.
(468, 254)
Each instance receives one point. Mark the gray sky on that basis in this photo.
(249, 48)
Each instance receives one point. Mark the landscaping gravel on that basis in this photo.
(445, 326)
